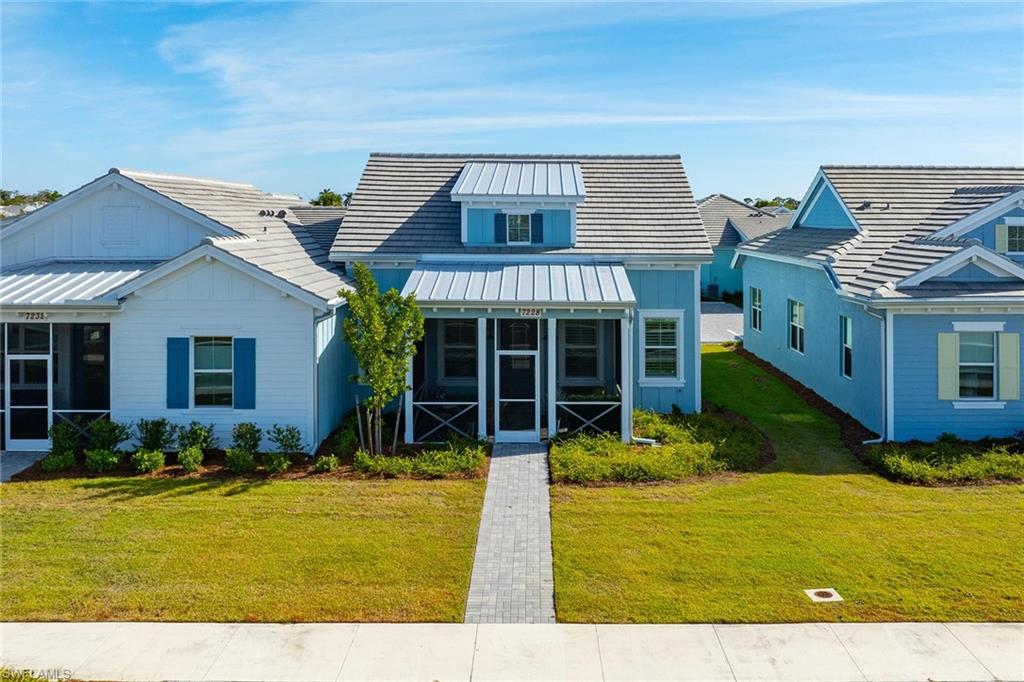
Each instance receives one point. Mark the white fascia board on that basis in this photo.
(116, 179)
(816, 189)
(945, 306)
(975, 254)
(210, 251)
(790, 260)
(982, 216)
(498, 201)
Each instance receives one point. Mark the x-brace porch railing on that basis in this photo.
(81, 428)
(590, 422)
(443, 421)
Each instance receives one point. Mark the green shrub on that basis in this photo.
(154, 434)
(457, 458)
(64, 441)
(287, 438)
(191, 458)
(239, 461)
(196, 435)
(948, 460)
(106, 434)
(246, 436)
(326, 463)
(738, 445)
(146, 461)
(102, 460)
(58, 460)
(596, 458)
(276, 462)
(346, 441)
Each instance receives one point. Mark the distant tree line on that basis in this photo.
(12, 197)
(758, 202)
(329, 197)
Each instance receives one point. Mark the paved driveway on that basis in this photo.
(720, 322)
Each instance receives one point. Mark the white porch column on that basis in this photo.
(481, 377)
(408, 403)
(626, 348)
(552, 376)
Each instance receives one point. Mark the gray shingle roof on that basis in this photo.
(321, 222)
(634, 205)
(722, 215)
(898, 208)
(277, 243)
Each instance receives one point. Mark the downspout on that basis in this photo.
(885, 374)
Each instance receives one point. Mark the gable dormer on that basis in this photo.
(998, 226)
(822, 208)
(519, 203)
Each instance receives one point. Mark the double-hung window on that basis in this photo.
(796, 326)
(581, 361)
(755, 309)
(977, 364)
(518, 229)
(458, 349)
(661, 338)
(846, 346)
(212, 371)
(1015, 238)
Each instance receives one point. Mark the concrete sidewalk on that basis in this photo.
(809, 651)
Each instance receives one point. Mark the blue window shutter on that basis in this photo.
(500, 228)
(245, 374)
(177, 373)
(537, 228)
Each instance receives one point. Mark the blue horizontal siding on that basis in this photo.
(719, 271)
(818, 367)
(918, 412)
(480, 226)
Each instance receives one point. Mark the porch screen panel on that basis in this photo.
(81, 367)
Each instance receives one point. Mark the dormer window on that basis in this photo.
(1015, 238)
(518, 229)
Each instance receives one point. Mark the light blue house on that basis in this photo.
(559, 292)
(897, 294)
(730, 222)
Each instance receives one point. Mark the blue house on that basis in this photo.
(559, 292)
(897, 294)
(730, 222)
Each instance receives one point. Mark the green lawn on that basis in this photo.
(742, 547)
(237, 550)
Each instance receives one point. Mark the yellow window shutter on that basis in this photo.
(1009, 366)
(1002, 239)
(949, 366)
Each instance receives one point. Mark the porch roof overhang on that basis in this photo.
(504, 284)
(57, 285)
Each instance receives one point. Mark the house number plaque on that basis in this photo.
(528, 312)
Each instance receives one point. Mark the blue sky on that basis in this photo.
(292, 97)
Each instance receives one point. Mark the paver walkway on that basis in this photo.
(423, 651)
(14, 462)
(512, 578)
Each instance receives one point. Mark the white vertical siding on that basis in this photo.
(211, 298)
(110, 224)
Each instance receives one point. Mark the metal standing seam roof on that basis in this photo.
(521, 284)
(551, 179)
(898, 208)
(59, 283)
(635, 205)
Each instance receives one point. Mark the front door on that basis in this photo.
(27, 402)
(517, 381)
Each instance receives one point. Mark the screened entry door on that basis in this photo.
(517, 382)
(27, 397)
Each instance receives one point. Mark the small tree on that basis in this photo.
(328, 197)
(382, 331)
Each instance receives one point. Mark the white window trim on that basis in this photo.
(843, 345)
(443, 378)
(978, 404)
(192, 374)
(508, 228)
(679, 379)
(982, 400)
(759, 308)
(790, 324)
(580, 381)
(1012, 221)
